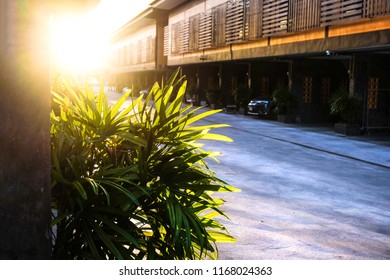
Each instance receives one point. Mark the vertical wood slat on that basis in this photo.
(235, 18)
(236, 21)
(275, 16)
(180, 37)
(193, 43)
(166, 40)
(150, 49)
(205, 30)
(144, 50)
(339, 11)
(139, 51)
(219, 25)
(303, 15)
(175, 38)
(184, 36)
(376, 8)
(255, 19)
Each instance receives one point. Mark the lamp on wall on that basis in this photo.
(329, 53)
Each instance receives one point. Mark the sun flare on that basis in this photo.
(77, 47)
(80, 43)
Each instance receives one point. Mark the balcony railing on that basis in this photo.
(275, 16)
(338, 11)
(244, 20)
(304, 15)
(373, 8)
(137, 52)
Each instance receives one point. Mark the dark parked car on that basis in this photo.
(261, 107)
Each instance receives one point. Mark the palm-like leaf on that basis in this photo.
(132, 182)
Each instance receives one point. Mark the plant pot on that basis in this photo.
(286, 118)
(347, 129)
(230, 109)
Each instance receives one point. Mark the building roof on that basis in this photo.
(157, 10)
(167, 4)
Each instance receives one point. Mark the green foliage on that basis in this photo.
(284, 100)
(345, 106)
(213, 95)
(242, 96)
(192, 93)
(131, 181)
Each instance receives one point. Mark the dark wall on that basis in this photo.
(377, 66)
(336, 69)
(275, 71)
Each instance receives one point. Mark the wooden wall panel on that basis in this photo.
(275, 16)
(339, 11)
(303, 15)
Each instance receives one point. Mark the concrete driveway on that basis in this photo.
(307, 193)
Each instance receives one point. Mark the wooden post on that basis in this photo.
(24, 132)
(25, 164)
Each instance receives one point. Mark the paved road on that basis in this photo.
(307, 193)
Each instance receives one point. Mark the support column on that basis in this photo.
(25, 163)
(24, 132)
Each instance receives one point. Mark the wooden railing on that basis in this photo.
(303, 15)
(339, 11)
(205, 30)
(244, 20)
(235, 24)
(275, 16)
(376, 8)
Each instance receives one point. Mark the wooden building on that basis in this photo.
(311, 46)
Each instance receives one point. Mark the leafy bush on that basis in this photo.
(242, 96)
(284, 100)
(131, 182)
(345, 106)
(213, 95)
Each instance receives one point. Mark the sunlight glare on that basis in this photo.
(76, 47)
(80, 44)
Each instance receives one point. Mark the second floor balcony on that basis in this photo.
(238, 21)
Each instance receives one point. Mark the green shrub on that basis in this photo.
(345, 106)
(131, 182)
(242, 96)
(283, 99)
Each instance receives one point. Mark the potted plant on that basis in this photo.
(284, 102)
(192, 95)
(212, 96)
(242, 96)
(346, 107)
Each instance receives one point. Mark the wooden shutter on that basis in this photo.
(235, 21)
(193, 43)
(304, 14)
(275, 13)
(205, 30)
(338, 11)
(166, 40)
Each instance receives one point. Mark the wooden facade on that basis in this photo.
(248, 20)
(139, 51)
(311, 46)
